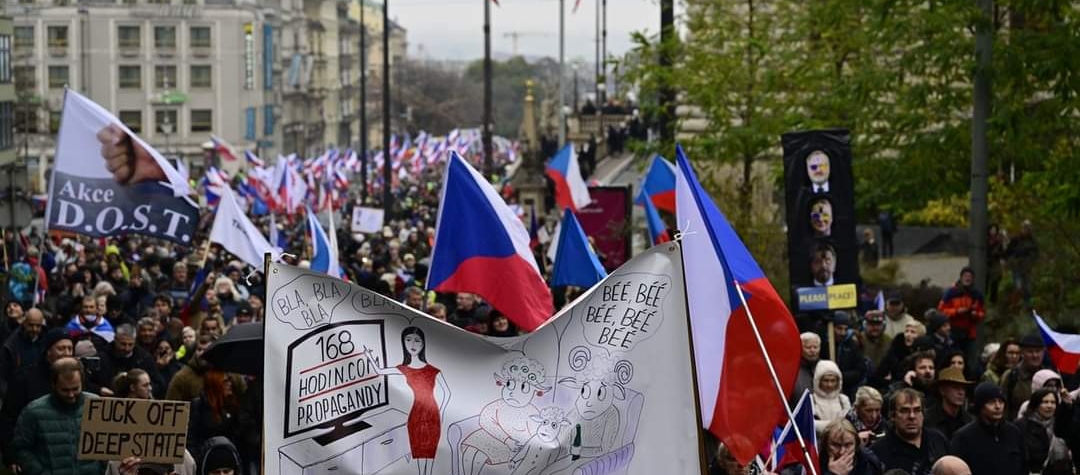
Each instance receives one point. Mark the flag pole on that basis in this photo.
(693, 362)
(775, 379)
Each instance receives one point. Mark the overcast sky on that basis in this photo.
(453, 29)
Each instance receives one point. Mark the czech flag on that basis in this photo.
(253, 159)
(789, 439)
(739, 401)
(659, 185)
(483, 248)
(575, 263)
(223, 149)
(571, 191)
(1064, 349)
(657, 229)
(325, 257)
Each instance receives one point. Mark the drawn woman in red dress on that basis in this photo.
(430, 395)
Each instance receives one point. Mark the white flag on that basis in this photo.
(233, 230)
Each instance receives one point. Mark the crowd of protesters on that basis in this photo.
(129, 316)
(895, 393)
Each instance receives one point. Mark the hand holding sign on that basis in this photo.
(126, 160)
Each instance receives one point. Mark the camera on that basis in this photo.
(91, 363)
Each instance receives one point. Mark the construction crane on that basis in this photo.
(514, 35)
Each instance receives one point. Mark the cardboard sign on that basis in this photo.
(833, 297)
(367, 220)
(117, 428)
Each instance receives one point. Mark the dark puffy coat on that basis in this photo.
(27, 385)
(47, 436)
(990, 450)
(112, 365)
(18, 352)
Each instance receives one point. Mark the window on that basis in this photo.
(165, 37)
(200, 76)
(54, 122)
(165, 120)
(24, 36)
(130, 77)
(5, 59)
(25, 77)
(7, 125)
(26, 119)
(249, 122)
(133, 120)
(129, 36)
(268, 120)
(202, 120)
(58, 36)
(200, 37)
(165, 77)
(58, 77)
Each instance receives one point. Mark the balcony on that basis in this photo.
(58, 49)
(200, 51)
(129, 50)
(165, 51)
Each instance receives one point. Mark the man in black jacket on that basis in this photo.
(23, 348)
(949, 416)
(31, 383)
(988, 444)
(909, 446)
(124, 355)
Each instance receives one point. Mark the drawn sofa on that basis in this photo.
(615, 462)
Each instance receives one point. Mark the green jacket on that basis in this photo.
(47, 436)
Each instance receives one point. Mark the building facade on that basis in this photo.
(175, 72)
(272, 76)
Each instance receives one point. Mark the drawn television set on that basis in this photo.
(331, 382)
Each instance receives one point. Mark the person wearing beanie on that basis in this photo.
(1044, 378)
(938, 331)
(908, 445)
(31, 383)
(1018, 381)
(849, 355)
(989, 444)
(965, 307)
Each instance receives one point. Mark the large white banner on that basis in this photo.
(107, 181)
(358, 384)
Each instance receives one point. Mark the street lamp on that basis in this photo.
(575, 68)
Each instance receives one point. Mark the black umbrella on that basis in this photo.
(239, 351)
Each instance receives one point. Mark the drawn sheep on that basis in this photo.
(506, 423)
(550, 442)
(600, 379)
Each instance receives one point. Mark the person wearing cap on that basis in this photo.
(849, 356)
(46, 434)
(875, 344)
(989, 444)
(1017, 382)
(949, 416)
(896, 316)
(243, 314)
(909, 445)
(965, 307)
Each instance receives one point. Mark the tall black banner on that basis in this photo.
(820, 198)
